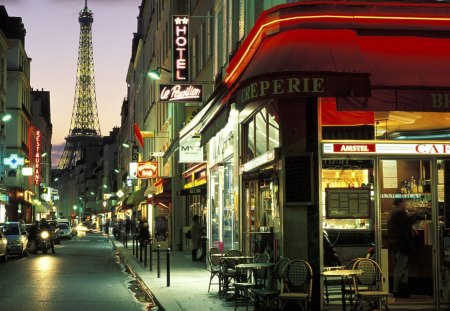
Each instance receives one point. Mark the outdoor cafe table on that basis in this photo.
(255, 267)
(344, 274)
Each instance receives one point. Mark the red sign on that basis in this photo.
(354, 148)
(147, 170)
(37, 159)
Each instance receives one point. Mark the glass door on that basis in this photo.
(407, 209)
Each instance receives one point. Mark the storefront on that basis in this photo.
(388, 62)
(358, 198)
(223, 224)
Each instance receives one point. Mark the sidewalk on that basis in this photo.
(188, 281)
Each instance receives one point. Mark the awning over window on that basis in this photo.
(136, 197)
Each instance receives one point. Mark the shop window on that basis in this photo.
(262, 132)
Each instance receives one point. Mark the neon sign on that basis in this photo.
(180, 93)
(180, 54)
(37, 159)
(370, 148)
(147, 170)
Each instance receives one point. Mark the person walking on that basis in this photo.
(401, 237)
(196, 236)
(144, 232)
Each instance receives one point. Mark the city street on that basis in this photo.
(84, 274)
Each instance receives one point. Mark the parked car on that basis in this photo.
(17, 237)
(65, 232)
(3, 247)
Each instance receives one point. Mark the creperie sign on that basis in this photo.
(147, 170)
(180, 54)
(37, 159)
(438, 149)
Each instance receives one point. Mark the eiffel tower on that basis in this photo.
(84, 127)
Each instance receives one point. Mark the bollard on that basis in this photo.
(151, 256)
(145, 253)
(168, 267)
(126, 239)
(158, 264)
(138, 242)
(140, 251)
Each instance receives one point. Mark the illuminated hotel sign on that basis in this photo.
(180, 51)
(37, 159)
(180, 93)
(361, 148)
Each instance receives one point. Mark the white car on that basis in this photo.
(65, 232)
(3, 247)
(17, 236)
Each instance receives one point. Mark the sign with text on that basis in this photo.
(147, 170)
(191, 151)
(180, 51)
(371, 148)
(180, 93)
(37, 159)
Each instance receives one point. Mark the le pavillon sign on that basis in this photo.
(180, 93)
(180, 51)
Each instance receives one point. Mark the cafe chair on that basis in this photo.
(372, 283)
(243, 288)
(267, 298)
(214, 267)
(228, 270)
(297, 285)
(350, 289)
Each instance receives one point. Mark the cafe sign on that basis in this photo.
(180, 51)
(369, 148)
(180, 93)
(147, 170)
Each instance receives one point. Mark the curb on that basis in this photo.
(154, 304)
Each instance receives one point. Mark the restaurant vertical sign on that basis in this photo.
(180, 52)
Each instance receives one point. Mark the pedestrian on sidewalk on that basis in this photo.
(196, 236)
(144, 232)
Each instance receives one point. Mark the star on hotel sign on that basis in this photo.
(180, 20)
(13, 161)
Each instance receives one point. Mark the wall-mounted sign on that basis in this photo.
(132, 172)
(369, 148)
(13, 161)
(180, 51)
(191, 151)
(37, 159)
(156, 154)
(347, 202)
(27, 171)
(147, 170)
(180, 92)
(135, 153)
(258, 161)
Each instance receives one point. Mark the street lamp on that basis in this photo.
(155, 74)
(6, 117)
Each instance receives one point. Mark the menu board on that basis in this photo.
(347, 203)
(298, 179)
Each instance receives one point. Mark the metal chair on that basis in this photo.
(214, 266)
(297, 285)
(267, 299)
(228, 270)
(371, 281)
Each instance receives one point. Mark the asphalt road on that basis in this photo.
(83, 275)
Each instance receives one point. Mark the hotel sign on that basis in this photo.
(180, 93)
(180, 51)
(370, 148)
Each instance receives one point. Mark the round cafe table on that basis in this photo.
(344, 274)
(255, 267)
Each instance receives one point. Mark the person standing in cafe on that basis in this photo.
(401, 236)
(196, 236)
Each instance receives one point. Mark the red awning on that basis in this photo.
(331, 117)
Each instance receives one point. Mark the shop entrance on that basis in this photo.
(408, 199)
(261, 226)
